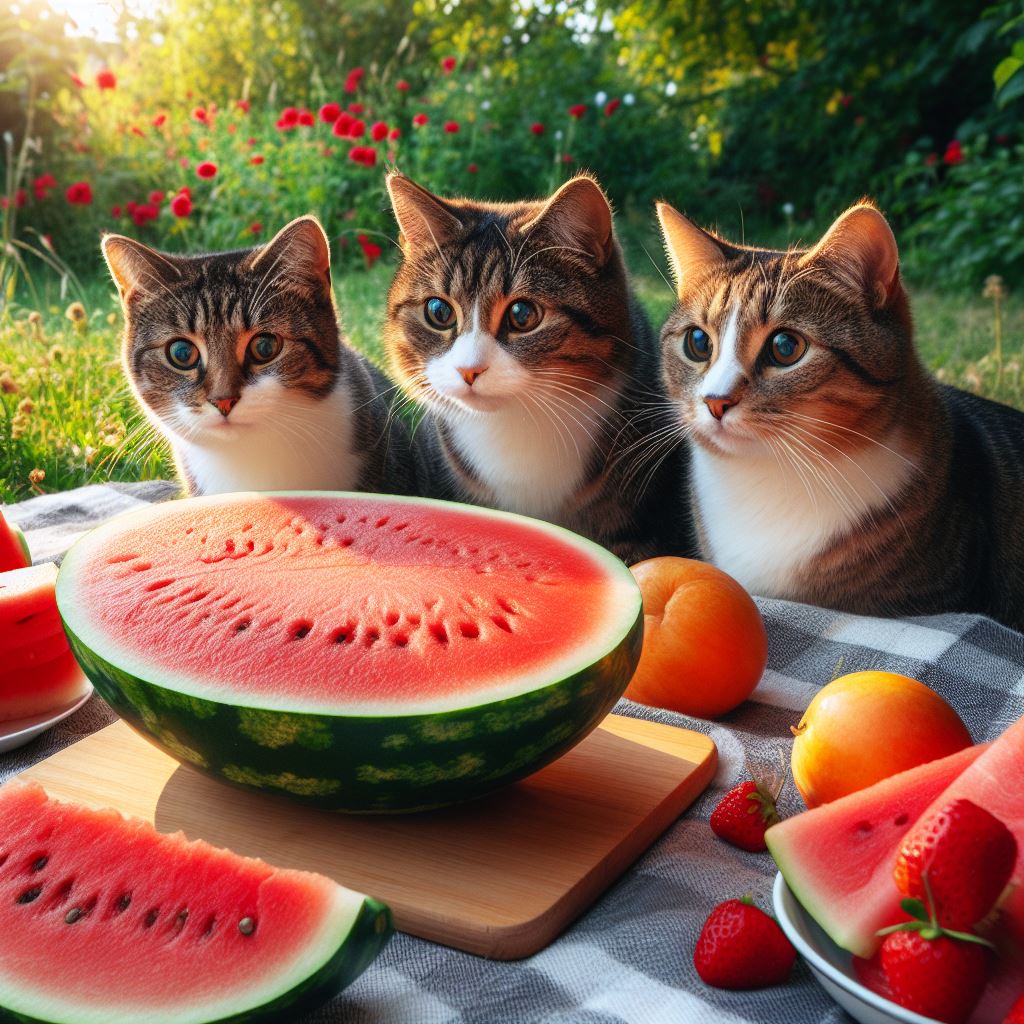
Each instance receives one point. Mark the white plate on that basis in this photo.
(24, 730)
(833, 966)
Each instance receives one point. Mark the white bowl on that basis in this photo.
(22, 730)
(832, 966)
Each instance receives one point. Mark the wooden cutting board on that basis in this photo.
(500, 877)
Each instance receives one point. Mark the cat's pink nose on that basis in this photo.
(470, 373)
(718, 406)
(224, 405)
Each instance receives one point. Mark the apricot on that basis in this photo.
(863, 727)
(705, 646)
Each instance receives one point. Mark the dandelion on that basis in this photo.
(256, 160)
(206, 169)
(36, 477)
(611, 106)
(402, 85)
(75, 313)
(420, 119)
(35, 318)
(330, 112)
(379, 131)
(448, 65)
(106, 79)
(79, 194)
(577, 110)
(181, 205)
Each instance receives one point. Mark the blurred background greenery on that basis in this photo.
(201, 124)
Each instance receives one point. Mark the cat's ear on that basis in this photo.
(425, 220)
(861, 248)
(135, 267)
(579, 217)
(299, 253)
(690, 249)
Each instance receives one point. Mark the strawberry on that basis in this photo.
(1016, 1014)
(968, 856)
(745, 813)
(742, 947)
(932, 970)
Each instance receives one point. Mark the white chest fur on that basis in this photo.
(533, 458)
(280, 440)
(764, 519)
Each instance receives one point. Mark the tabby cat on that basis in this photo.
(827, 465)
(513, 324)
(236, 358)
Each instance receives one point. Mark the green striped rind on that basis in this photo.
(387, 763)
(19, 536)
(370, 932)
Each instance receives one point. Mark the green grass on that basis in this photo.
(66, 410)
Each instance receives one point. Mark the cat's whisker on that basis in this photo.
(857, 433)
(661, 273)
(556, 248)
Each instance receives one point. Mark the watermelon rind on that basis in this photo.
(354, 936)
(377, 760)
(19, 536)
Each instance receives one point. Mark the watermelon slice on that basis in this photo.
(358, 652)
(38, 672)
(838, 858)
(14, 553)
(103, 920)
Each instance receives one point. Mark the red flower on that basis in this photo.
(106, 79)
(931, 159)
(846, 99)
(181, 205)
(256, 160)
(472, 168)
(353, 79)
(356, 108)
(611, 106)
(145, 212)
(306, 118)
(402, 85)
(420, 119)
(243, 106)
(130, 206)
(379, 131)
(395, 133)
(448, 65)
(289, 118)
(451, 127)
(20, 198)
(206, 169)
(136, 130)
(357, 129)
(201, 115)
(329, 112)
(954, 154)
(76, 80)
(365, 155)
(567, 158)
(41, 186)
(577, 110)
(115, 211)
(185, 191)
(250, 142)
(343, 124)
(156, 198)
(372, 251)
(159, 120)
(537, 128)
(80, 193)
(232, 128)
(255, 229)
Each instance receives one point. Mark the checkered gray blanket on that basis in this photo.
(630, 958)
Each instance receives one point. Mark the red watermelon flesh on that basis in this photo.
(838, 858)
(37, 671)
(103, 919)
(13, 553)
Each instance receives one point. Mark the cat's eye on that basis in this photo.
(439, 313)
(696, 345)
(182, 354)
(523, 315)
(264, 347)
(785, 348)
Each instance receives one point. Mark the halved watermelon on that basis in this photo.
(838, 858)
(14, 553)
(103, 920)
(358, 652)
(37, 670)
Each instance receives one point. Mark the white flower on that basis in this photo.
(671, 88)
(788, 209)
(629, 99)
(485, 105)
(601, 98)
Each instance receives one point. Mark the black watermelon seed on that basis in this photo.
(40, 863)
(72, 915)
(247, 926)
(123, 903)
(30, 894)
(151, 918)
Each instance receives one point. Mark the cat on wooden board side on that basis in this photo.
(514, 327)
(237, 359)
(827, 465)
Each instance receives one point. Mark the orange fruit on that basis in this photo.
(866, 726)
(705, 646)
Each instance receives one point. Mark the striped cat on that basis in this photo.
(513, 324)
(236, 358)
(827, 465)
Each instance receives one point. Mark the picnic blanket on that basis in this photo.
(629, 959)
